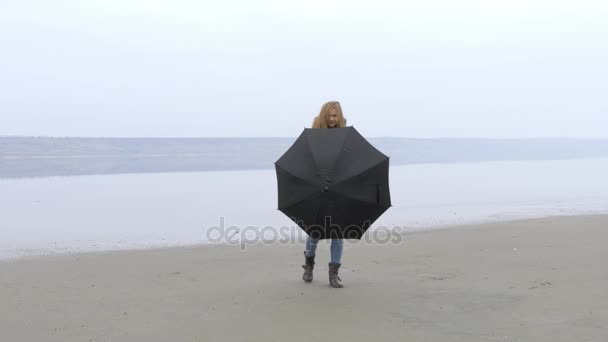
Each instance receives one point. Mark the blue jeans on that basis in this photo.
(336, 248)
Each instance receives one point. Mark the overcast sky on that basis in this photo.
(191, 68)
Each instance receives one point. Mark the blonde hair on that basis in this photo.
(320, 120)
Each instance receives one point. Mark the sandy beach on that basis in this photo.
(530, 280)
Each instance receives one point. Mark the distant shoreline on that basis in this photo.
(41, 157)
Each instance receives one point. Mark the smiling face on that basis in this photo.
(332, 117)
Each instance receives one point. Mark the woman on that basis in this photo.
(330, 116)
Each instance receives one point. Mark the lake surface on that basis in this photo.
(22, 157)
(64, 214)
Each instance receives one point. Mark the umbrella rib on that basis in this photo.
(311, 154)
(298, 202)
(308, 181)
(372, 166)
(333, 167)
(352, 198)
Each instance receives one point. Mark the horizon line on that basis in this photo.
(292, 137)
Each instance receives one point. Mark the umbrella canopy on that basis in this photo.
(333, 183)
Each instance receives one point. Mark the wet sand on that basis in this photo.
(531, 280)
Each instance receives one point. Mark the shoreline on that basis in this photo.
(48, 253)
(74, 214)
(408, 230)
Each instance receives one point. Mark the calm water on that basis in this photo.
(41, 157)
(126, 211)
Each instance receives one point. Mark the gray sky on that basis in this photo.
(191, 68)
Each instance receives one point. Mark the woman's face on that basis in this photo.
(332, 117)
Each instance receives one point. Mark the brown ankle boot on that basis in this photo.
(309, 264)
(333, 275)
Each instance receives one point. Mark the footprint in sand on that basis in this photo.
(440, 276)
(540, 284)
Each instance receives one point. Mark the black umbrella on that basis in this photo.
(333, 183)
